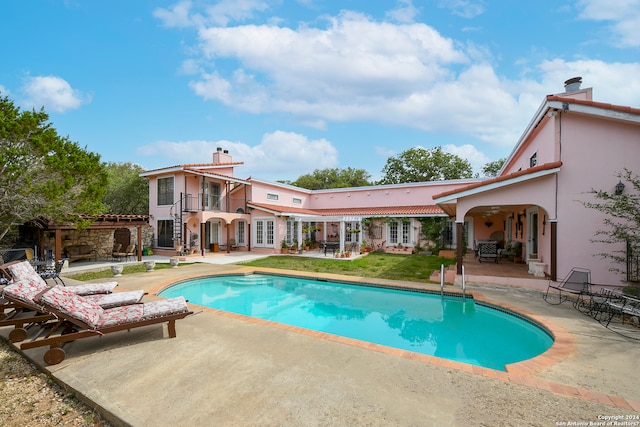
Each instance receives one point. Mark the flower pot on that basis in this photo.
(117, 270)
(149, 265)
(174, 262)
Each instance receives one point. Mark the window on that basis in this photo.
(165, 233)
(297, 201)
(212, 200)
(240, 227)
(292, 231)
(165, 191)
(271, 196)
(533, 160)
(399, 232)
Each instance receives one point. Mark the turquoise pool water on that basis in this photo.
(448, 327)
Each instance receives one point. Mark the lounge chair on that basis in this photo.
(81, 318)
(577, 282)
(23, 271)
(20, 310)
(28, 312)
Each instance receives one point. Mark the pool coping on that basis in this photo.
(521, 373)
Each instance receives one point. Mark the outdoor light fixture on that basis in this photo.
(488, 224)
(619, 188)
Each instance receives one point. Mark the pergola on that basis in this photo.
(99, 221)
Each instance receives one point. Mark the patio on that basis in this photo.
(264, 374)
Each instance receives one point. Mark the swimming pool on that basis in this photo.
(451, 327)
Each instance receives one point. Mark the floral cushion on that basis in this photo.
(72, 305)
(120, 315)
(24, 271)
(116, 299)
(165, 307)
(93, 288)
(23, 291)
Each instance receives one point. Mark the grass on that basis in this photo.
(129, 269)
(416, 268)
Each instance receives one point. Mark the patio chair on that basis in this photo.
(617, 306)
(80, 318)
(577, 282)
(488, 251)
(128, 252)
(233, 246)
(52, 271)
(116, 250)
(28, 312)
(23, 271)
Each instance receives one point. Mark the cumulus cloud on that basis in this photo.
(53, 93)
(286, 154)
(623, 16)
(402, 73)
(476, 158)
(185, 14)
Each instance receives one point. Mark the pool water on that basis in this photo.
(451, 327)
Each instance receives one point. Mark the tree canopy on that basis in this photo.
(419, 165)
(42, 173)
(321, 179)
(492, 168)
(127, 192)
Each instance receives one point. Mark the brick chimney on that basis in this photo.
(220, 156)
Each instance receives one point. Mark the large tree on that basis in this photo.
(42, 173)
(420, 165)
(127, 192)
(321, 179)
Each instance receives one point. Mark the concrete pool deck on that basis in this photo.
(227, 369)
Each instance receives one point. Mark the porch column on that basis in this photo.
(58, 243)
(342, 231)
(459, 248)
(139, 243)
(202, 225)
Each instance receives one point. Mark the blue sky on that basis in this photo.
(289, 86)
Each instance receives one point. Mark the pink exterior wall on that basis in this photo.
(593, 151)
(413, 194)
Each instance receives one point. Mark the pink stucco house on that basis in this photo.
(571, 145)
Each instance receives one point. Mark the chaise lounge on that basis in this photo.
(79, 318)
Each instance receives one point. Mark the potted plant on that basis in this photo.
(293, 249)
(284, 248)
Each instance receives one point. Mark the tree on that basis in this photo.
(492, 168)
(622, 223)
(321, 179)
(420, 165)
(127, 192)
(42, 173)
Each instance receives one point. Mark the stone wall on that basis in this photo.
(100, 239)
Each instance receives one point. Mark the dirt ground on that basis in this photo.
(31, 398)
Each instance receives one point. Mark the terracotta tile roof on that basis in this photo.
(363, 211)
(501, 178)
(602, 105)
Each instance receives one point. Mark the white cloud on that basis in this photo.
(223, 12)
(470, 153)
(280, 154)
(624, 16)
(53, 93)
(406, 12)
(405, 75)
(464, 8)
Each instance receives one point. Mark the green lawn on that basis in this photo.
(129, 269)
(416, 268)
